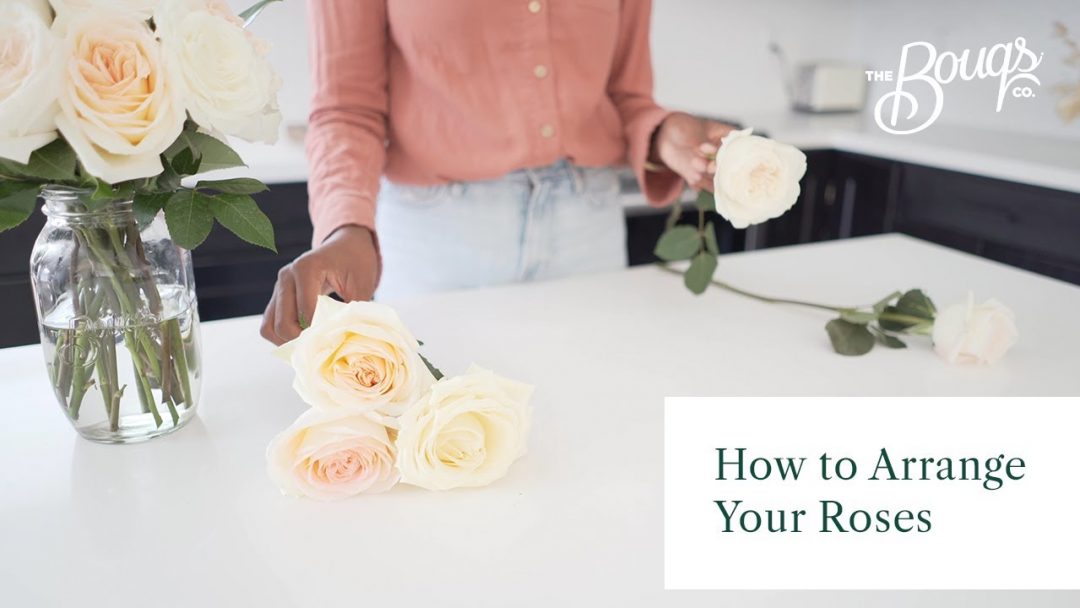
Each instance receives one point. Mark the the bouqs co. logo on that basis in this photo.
(1011, 63)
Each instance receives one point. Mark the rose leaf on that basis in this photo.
(849, 339)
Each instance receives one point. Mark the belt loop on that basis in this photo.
(578, 175)
(534, 179)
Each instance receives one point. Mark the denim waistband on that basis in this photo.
(561, 170)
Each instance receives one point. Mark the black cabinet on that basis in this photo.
(1025, 226)
(843, 195)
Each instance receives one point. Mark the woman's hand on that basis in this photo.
(347, 264)
(685, 144)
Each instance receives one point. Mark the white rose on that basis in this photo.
(757, 179)
(223, 73)
(969, 333)
(120, 108)
(29, 80)
(357, 356)
(465, 432)
(69, 9)
(326, 456)
(41, 7)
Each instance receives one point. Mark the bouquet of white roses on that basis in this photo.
(111, 105)
(757, 179)
(381, 413)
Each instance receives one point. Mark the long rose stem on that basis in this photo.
(888, 316)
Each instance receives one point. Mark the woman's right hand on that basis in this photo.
(346, 263)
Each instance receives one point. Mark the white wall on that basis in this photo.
(711, 56)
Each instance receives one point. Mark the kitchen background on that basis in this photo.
(1005, 186)
(712, 56)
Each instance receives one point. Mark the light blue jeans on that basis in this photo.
(529, 225)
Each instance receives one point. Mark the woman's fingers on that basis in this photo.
(715, 131)
(266, 330)
(286, 321)
(310, 278)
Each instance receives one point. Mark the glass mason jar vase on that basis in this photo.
(119, 325)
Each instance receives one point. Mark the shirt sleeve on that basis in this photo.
(346, 139)
(630, 87)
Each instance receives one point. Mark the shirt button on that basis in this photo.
(547, 131)
(535, 6)
(540, 71)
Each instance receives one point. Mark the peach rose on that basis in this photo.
(327, 456)
(357, 356)
(119, 108)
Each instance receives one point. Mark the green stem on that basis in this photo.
(61, 365)
(180, 357)
(142, 384)
(761, 298)
(105, 382)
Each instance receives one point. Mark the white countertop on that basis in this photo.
(1028, 159)
(192, 520)
(1013, 156)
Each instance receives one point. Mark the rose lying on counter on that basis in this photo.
(381, 413)
(757, 179)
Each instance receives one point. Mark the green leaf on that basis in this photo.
(239, 185)
(858, 317)
(189, 218)
(883, 302)
(185, 162)
(147, 205)
(700, 272)
(103, 191)
(705, 201)
(249, 14)
(213, 154)
(240, 214)
(917, 304)
(914, 304)
(678, 243)
(710, 239)
(16, 202)
(888, 341)
(431, 368)
(849, 339)
(168, 181)
(53, 163)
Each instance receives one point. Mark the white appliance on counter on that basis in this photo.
(823, 87)
(829, 87)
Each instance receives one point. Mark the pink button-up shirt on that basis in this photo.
(432, 91)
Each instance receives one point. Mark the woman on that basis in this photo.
(495, 124)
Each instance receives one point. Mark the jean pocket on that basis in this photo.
(601, 187)
(417, 196)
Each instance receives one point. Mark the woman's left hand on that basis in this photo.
(685, 144)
